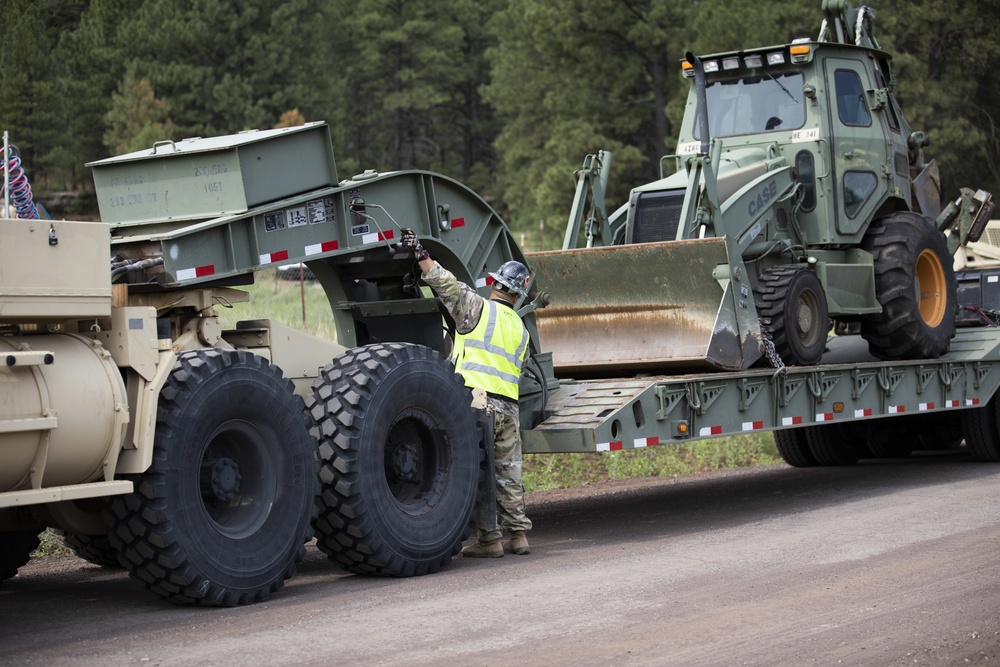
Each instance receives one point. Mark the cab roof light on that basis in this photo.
(708, 65)
(753, 62)
(730, 63)
(799, 49)
(776, 58)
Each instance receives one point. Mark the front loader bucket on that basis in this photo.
(646, 307)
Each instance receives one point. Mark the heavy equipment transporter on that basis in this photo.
(202, 458)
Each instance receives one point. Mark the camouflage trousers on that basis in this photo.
(507, 467)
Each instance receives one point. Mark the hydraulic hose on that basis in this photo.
(121, 270)
(21, 198)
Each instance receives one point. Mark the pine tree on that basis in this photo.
(571, 77)
(945, 60)
(223, 66)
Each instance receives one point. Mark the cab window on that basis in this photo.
(851, 106)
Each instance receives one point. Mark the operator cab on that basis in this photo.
(825, 109)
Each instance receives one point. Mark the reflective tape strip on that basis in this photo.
(319, 248)
(458, 222)
(196, 272)
(753, 426)
(646, 442)
(710, 430)
(824, 416)
(866, 412)
(375, 238)
(923, 407)
(270, 257)
(491, 322)
(791, 421)
(609, 446)
(972, 401)
(896, 409)
(488, 370)
(951, 403)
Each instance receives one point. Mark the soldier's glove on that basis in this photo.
(410, 241)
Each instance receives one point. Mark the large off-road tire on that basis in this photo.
(794, 449)
(981, 427)
(915, 284)
(835, 444)
(222, 515)
(402, 460)
(793, 312)
(96, 549)
(15, 550)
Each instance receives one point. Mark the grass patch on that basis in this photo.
(561, 471)
(302, 306)
(51, 545)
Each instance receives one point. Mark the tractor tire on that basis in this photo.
(835, 444)
(885, 444)
(15, 550)
(915, 284)
(222, 514)
(794, 449)
(94, 549)
(793, 313)
(941, 432)
(402, 460)
(982, 431)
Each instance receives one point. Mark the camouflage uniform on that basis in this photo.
(466, 306)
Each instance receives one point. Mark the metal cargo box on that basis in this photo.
(206, 178)
(54, 270)
(977, 288)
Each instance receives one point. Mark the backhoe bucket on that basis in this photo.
(645, 307)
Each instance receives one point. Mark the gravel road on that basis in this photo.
(883, 563)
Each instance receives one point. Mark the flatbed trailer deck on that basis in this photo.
(849, 386)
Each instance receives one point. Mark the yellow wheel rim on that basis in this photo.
(932, 288)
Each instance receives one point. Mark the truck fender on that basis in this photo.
(144, 396)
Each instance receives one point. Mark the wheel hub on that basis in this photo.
(930, 286)
(404, 461)
(804, 318)
(222, 479)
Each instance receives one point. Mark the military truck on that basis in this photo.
(201, 458)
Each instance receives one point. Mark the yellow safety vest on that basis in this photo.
(491, 356)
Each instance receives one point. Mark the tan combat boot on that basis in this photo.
(492, 549)
(517, 544)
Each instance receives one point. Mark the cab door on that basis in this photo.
(858, 146)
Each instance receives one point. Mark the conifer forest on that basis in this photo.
(506, 96)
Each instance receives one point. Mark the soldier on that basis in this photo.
(491, 345)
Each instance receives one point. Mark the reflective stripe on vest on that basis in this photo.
(491, 356)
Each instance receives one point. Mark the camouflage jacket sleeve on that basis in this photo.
(463, 303)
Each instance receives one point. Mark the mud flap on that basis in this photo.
(486, 508)
(650, 307)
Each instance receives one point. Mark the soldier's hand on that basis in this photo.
(410, 240)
